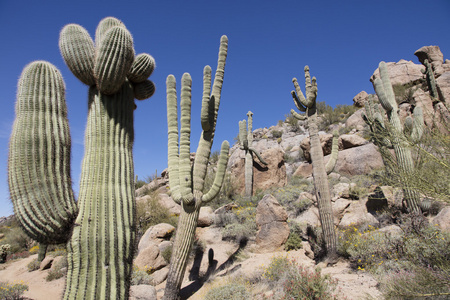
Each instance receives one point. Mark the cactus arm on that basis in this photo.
(243, 141)
(81, 61)
(205, 100)
(142, 67)
(253, 151)
(334, 154)
(220, 174)
(207, 137)
(250, 128)
(418, 124)
(298, 116)
(103, 27)
(173, 155)
(431, 80)
(39, 156)
(113, 60)
(296, 99)
(185, 140)
(382, 95)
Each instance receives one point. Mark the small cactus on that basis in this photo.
(245, 142)
(308, 106)
(186, 181)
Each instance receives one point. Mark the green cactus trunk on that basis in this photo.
(383, 88)
(322, 189)
(104, 233)
(184, 240)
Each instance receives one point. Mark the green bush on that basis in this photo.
(139, 276)
(149, 212)
(297, 281)
(230, 291)
(276, 134)
(243, 226)
(12, 291)
(33, 265)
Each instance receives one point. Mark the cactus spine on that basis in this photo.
(397, 137)
(186, 181)
(245, 141)
(101, 238)
(308, 106)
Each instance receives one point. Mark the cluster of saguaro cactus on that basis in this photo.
(398, 134)
(308, 106)
(187, 181)
(379, 134)
(245, 142)
(100, 228)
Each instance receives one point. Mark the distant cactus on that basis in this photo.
(186, 181)
(245, 142)
(308, 106)
(414, 128)
(101, 236)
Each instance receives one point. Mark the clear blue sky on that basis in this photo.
(269, 43)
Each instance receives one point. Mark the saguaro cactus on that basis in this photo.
(397, 137)
(101, 239)
(322, 189)
(186, 181)
(245, 142)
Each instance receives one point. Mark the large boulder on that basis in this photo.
(356, 121)
(402, 73)
(358, 160)
(273, 229)
(155, 235)
(442, 219)
(434, 56)
(347, 141)
(360, 99)
(326, 141)
(443, 83)
(264, 177)
(150, 258)
(142, 292)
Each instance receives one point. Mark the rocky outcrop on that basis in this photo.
(273, 229)
(402, 73)
(359, 160)
(434, 56)
(360, 99)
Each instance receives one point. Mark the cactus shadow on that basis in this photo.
(213, 269)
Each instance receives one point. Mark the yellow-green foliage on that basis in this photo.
(12, 291)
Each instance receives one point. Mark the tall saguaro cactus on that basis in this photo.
(308, 106)
(186, 181)
(399, 141)
(101, 237)
(245, 142)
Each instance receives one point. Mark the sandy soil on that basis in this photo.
(38, 287)
(353, 285)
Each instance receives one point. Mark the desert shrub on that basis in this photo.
(33, 265)
(149, 212)
(167, 253)
(276, 134)
(139, 276)
(294, 240)
(227, 191)
(292, 122)
(17, 239)
(4, 249)
(58, 270)
(297, 281)
(330, 115)
(139, 183)
(244, 225)
(12, 291)
(229, 291)
(404, 93)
